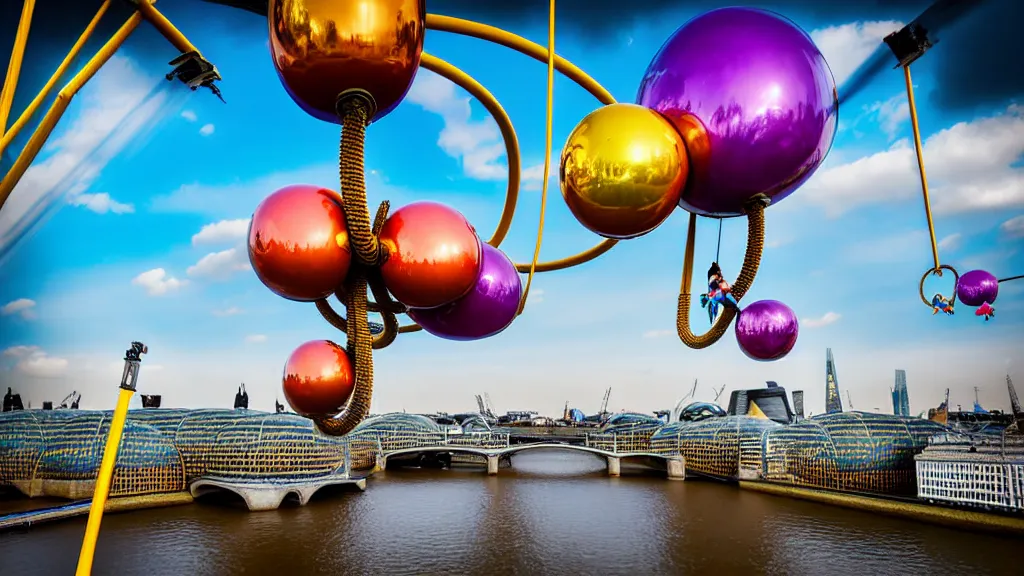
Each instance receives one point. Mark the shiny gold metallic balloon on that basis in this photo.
(322, 48)
(622, 170)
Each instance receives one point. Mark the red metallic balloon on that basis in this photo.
(435, 255)
(318, 378)
(298, 242)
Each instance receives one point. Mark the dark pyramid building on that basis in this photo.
(833, 403)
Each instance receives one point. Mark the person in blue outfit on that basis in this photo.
(941, 304)
(719, 293)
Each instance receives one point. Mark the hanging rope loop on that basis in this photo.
(938, 272)
(751, 261)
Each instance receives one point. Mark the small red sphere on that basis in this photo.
(318, 378)
(298, 242)
(435, 255)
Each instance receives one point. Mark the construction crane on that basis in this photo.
(718, 393)
(1014, 401)
(604, 403)
(71, 401)
(489, 406)
(480, 405)
(849, 401)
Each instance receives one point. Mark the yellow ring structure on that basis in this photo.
(508, 133)
(568, 69)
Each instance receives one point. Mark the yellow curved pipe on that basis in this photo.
(548, 122)
(27, 114)
(14, 65)
(508, 134)
(571, 71)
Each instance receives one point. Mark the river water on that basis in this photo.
(552, 513)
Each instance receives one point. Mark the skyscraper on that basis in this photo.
(833, 403)
(900, 398)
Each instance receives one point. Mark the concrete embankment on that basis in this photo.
(81, 508)
(920, 511)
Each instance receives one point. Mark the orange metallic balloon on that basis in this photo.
(322, 48)
(622, 170)
(318, 378)
(298, 242)
(435, 255)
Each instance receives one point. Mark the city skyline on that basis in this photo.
(130, 226)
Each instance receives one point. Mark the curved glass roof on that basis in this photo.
(398, 421)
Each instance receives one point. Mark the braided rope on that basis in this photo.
(751, 262)
(355, 114)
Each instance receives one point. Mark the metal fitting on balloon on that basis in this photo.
(354, 99)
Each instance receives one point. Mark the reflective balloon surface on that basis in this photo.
(435, 255)
(298, 243)
(767, 330)
(622, 170)
(755, 102)
(318, 378)
(977, 287)
(486, 310)
(322, 48)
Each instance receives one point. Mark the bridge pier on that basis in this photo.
(614, 465)
(676, 469)
(492, 464)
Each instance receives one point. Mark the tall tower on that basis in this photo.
(1014, 402)
(900, 397)
(833, 403)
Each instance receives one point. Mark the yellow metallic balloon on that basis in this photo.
(622, 170)
(322, 48)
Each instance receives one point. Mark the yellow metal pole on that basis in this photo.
(99, 498)
(11, 134)
(53, 115)
(920, 163)
(129, 379)
(14, 65)
(164, 26)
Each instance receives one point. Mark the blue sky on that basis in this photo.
(142, 239)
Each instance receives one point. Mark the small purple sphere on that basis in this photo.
(754, 100)
(977, 287)
(486, 310)
(767, 330)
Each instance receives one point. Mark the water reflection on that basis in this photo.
(552, 513)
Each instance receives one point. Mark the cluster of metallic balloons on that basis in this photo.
(738, 105)
(454, 285)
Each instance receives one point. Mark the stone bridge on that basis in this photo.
(495, 446)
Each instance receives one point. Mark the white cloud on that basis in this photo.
(536, 295)
(1014, 227)
(951, 242)
(100, 203)
(971, 166)
(256, 338)
(223, 231)
(229, 311)
(533, 176)
(220, 265)
(477, 144)
(846, 47)
(157, 282)
(828, 318)
(652, 334)
(22, 307)
(891, 114)
(206, 130)
(113, 109)
(189, 115)
(33, 361)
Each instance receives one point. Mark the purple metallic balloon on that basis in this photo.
(767, 330)
(486, 310)
(754, 100)
(977, 287)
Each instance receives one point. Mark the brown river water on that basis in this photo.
(552, 513)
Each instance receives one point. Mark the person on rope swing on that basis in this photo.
(985, 310)
(719, 293)
(941, 304)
